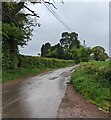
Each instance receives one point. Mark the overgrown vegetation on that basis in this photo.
(18, 21)
(93, 81)
(17, 26)
(29, 65)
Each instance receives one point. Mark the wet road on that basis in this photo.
(36, 97)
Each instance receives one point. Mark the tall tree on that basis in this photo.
(45, 49)
(57, 51)
(17, 26)
(18, 22)
(74, 42)
(69, 40)
(64, 41)
(63, 49)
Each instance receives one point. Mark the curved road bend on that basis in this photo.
(36, 97)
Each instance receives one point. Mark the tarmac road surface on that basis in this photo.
(36, 97)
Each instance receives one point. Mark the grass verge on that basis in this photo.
(16, 74)
(32, 66)
(92, 80)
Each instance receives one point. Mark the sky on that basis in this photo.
(89, 19)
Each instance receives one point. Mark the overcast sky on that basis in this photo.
(89, 19)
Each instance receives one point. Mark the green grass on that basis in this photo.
(92, 81)
(16, 74)
(100, 63)
(32, 66)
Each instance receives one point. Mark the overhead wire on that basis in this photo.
(58, 18)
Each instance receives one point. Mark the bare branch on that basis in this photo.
(45, 2)
(31, 15)
(51, 4)
(34, 14)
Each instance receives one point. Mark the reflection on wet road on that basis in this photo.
(36, 97)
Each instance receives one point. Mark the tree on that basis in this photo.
(69, 40)
(12, 36)
(55, 51)
(103, 56)
(59, 51)
(98, 53)
(83, 54)
(45, 49)
(62, 50)
(17, 27)
(80, 54)
(74, 42)
(64, 41)
(74, 55)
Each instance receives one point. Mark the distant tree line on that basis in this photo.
(70, 48)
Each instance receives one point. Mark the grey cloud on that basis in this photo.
(89, 20)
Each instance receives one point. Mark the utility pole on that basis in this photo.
(84, 43)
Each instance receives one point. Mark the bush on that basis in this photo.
(30, 65)
(93, 81)
(41, 62)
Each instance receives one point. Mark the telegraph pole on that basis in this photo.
(84, 43)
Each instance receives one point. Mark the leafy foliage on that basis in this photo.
(98, 54)
(45, 49)
(12, 31)
(69, 48)
(93, 81)
(30, 65)
(17, 30)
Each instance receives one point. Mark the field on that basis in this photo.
(92, 80)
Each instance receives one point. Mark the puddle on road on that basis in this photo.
(53, 78)
(39, 97)
(65, 74)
